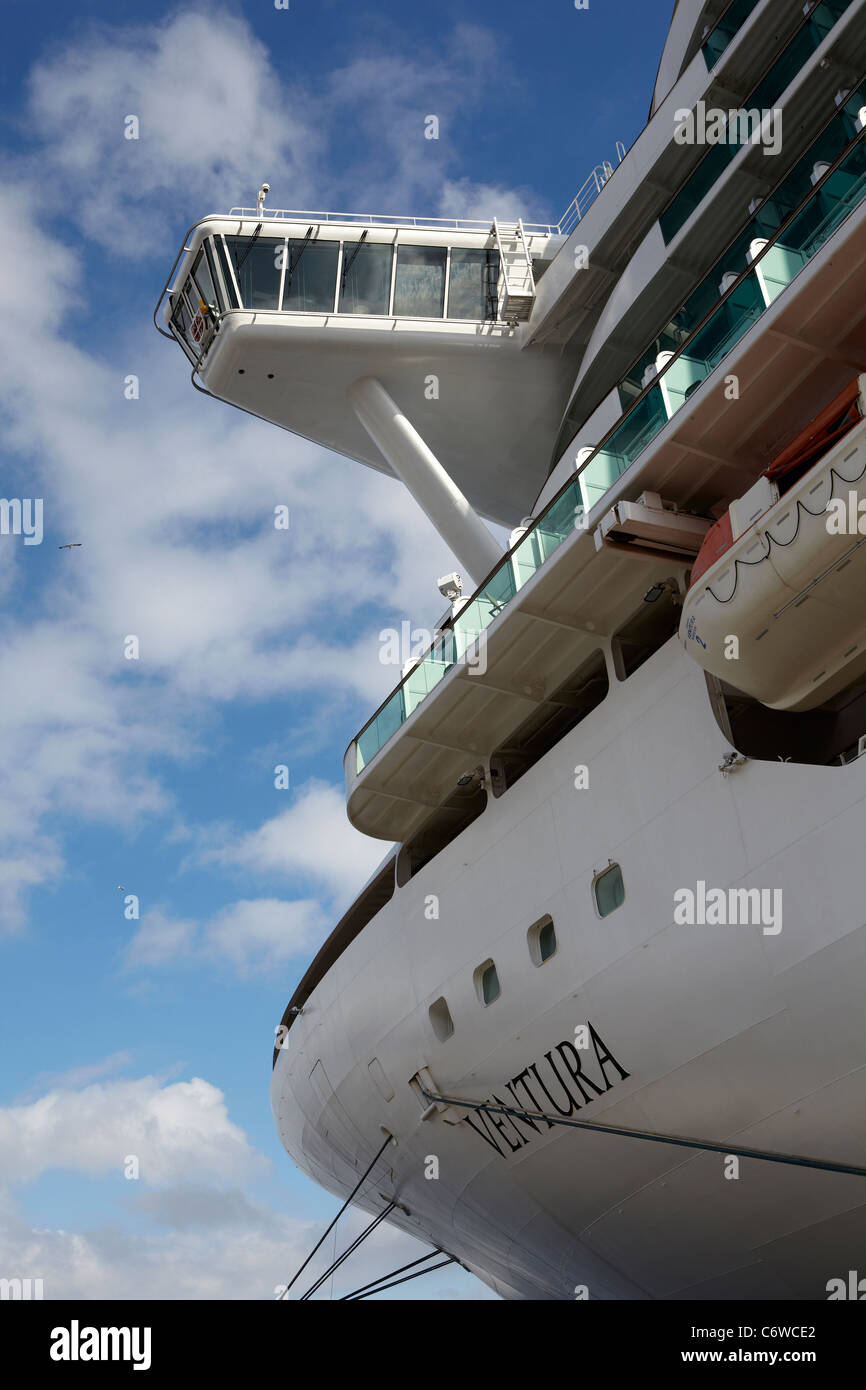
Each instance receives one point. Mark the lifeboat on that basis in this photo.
(777, 600)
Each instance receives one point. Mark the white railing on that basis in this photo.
(585, 198)
(576, 209)
(368, 219)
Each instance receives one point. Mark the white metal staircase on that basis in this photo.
(516, 282)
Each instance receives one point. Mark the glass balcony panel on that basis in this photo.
(380, 729)
(311, 277)
(527, 558)
(366, 278)
(258, 268)
(726, 30)
(421, 680)
(764, 98)
(419, 287)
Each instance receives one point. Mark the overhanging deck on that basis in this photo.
(801, 351)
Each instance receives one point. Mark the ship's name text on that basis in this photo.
(560, 1083)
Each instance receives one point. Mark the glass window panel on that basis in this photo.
(472, 285)
(223, 261)
(728, 27)
(547, 941)
(258, 269)
(419, 287)
(311, 276)
(490, 985)
(182, 320)
(366, 278)
(609, 891)
(205, 282)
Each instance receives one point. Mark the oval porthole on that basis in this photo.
(487, 985)
(542, 940)
(441, 1020)
(608, 890)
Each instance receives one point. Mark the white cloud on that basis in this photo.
(160, 940)
(312, 838)
(204, 1235)
(484, 201)
(263, 932)
(253, 934)
(217, 1246)
(81, 1076)
(172, 496)
(178, 1132)
(212, 122)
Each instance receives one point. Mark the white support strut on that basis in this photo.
(419, 469)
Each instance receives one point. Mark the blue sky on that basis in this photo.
(257, 647)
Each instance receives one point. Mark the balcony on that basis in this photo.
(686, 443)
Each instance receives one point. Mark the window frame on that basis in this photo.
(596, 878)
(533, 940)
(478, 980)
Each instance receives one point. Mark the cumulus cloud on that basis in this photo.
(211, 118)
(204, 1245)
(253, 934)
(174, 1130)
(172, 496)
(214, 117)
(203, 1234)
(311, 838)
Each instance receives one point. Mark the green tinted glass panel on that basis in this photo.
(490, 985)
(609, 891)
(547, 941)
(764, 97)
(727, 29)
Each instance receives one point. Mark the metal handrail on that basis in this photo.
(368, 219)
(576, 209)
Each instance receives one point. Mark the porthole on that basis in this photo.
(441, 1020)
(542, 940)
(608, 890)
(487, 985)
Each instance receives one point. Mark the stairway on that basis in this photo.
(516, 283)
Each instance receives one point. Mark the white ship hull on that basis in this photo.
(747, 1035)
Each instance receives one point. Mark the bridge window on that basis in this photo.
(608, 890)
(365, 282)
(542, 940)
(473, 284)
(204, 281)
(258, 268)
(487, 983)
(311, 276)
(419, 287)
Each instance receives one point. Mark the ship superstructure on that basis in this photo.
(625, 784)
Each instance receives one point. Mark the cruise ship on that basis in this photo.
(595, 1027)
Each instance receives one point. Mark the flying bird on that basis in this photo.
(70, 546)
